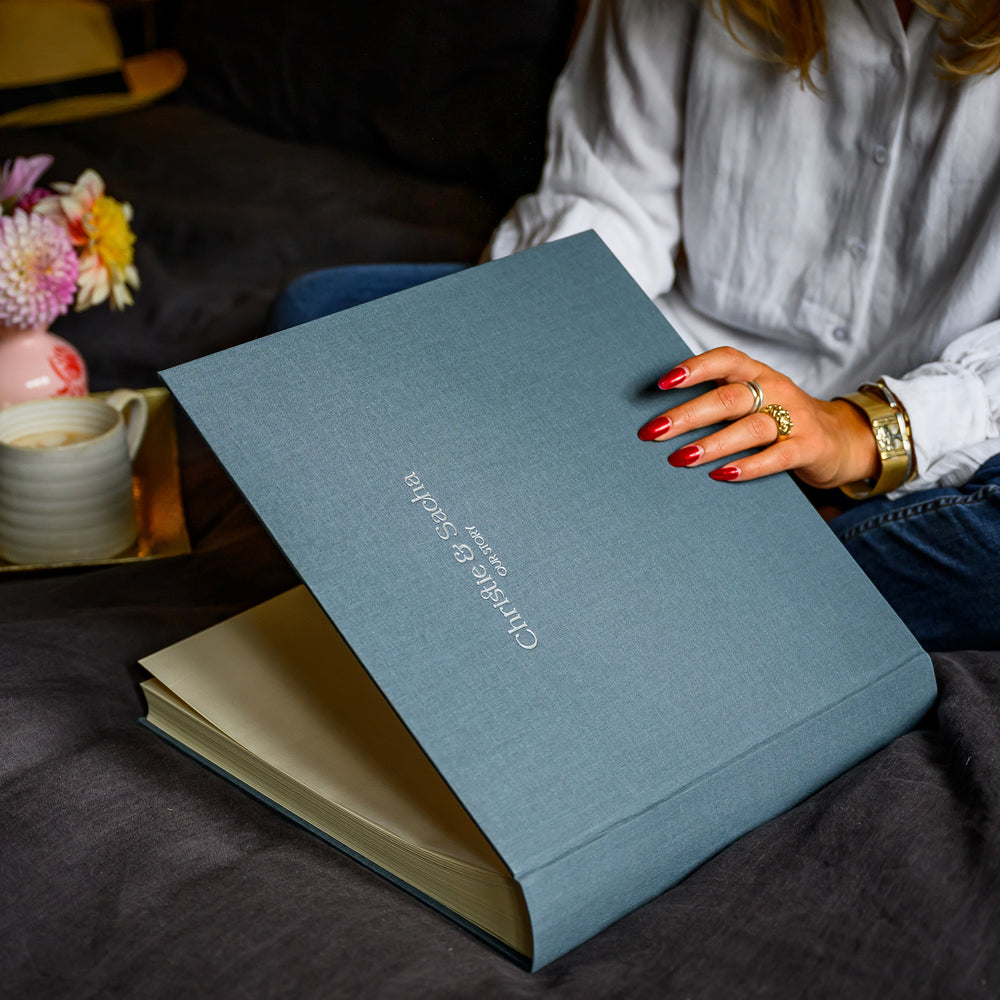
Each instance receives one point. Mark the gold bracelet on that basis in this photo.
(891, 426)
(880, 388)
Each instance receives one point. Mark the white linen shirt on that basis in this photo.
(837, 236)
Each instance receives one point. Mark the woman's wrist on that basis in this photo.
(862, 456)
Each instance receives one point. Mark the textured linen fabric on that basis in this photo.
(838, 236)
(614, 757)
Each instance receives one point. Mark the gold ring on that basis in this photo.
(758, 396)
(781, 417)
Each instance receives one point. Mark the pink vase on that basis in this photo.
(38, 364)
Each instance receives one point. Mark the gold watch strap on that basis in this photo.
(893, 442)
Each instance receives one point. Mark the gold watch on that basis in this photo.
(892, 438)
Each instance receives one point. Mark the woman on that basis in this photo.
(811, 193)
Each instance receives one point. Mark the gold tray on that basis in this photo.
(156, 483)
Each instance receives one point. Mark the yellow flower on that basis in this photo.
(106, 262)
(100, 229)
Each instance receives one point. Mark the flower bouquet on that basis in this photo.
(68, 244)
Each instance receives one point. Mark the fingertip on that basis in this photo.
(656, 427)
(684, 457)
(725, 474)
(673, 378)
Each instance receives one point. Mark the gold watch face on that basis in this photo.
(889, 438)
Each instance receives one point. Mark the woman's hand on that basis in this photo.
(830, 443)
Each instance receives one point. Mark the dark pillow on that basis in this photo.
(455, 90)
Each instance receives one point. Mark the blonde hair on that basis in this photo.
(792, 33)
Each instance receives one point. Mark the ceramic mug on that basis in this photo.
(66, 477)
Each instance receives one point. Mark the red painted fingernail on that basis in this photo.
(673, 378)
(686, 456)
(656, 427)
(726, 474)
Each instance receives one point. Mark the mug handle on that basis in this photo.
(134, 409)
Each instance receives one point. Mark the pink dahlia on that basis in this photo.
(38, 270)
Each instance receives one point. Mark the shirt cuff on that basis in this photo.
(950, 423)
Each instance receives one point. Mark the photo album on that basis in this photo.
(534, 674)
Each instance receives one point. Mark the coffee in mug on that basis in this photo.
(66, 477)
(49, 439)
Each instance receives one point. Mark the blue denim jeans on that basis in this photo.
(934, 555)
(334, 288)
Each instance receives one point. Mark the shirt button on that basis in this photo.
(897, 58)
(841, 333)
(880, 154)
(857, 248)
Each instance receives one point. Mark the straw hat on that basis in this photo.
(61, 60)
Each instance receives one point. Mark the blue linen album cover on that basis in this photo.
(617, 666)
